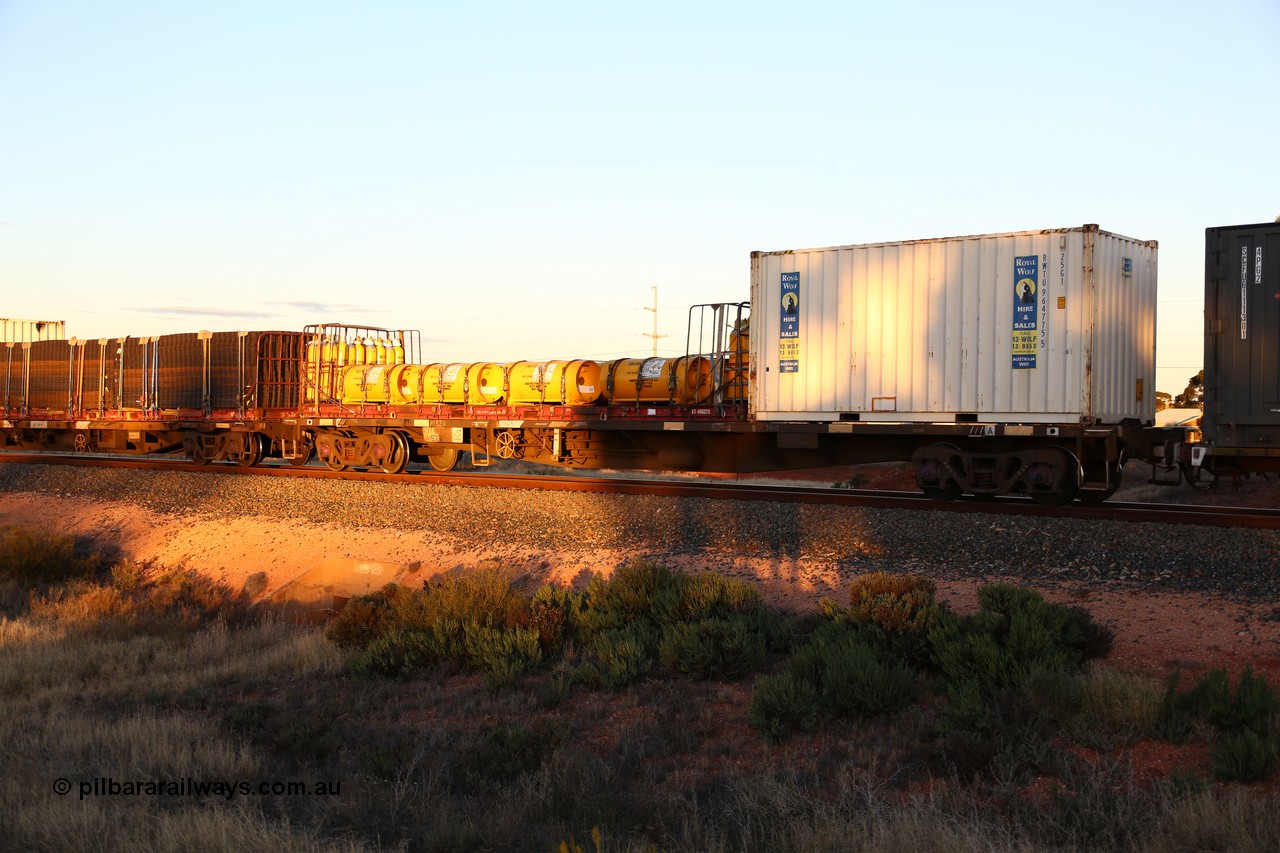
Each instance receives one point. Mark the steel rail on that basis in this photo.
(718, 488)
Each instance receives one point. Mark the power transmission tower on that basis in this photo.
(654, 309)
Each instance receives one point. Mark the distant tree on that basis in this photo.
(1164, 400)
(1193, 395)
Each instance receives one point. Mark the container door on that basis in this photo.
(1242, 335)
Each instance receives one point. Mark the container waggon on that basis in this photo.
(1006, 363)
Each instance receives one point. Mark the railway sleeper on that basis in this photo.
(1051, 476)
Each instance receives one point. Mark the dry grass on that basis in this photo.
(151, 675)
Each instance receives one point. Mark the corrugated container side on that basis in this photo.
(31, 330)
(1123, 367)
(924, 330)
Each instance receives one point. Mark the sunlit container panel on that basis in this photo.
(31, 330)
(1036, 327)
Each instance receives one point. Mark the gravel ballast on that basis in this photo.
(943, 545)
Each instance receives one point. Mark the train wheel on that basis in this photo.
(443, 459)
(398, 459)
(1097, 496)
(1199, 478)
(933, 478)
(1061, 479)
(334, 462)
(198, 456)
(82, 442)
(251, 450)
(949, 492)
(303, 457)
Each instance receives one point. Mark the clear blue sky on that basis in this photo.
(513, 178)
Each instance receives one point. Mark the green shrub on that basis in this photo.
(35, 557)
(703, 625)
(364, 618)
(398, 654)
(1243, 756)
(1011, 670)
(852, 678)
(504, 655)
(834, 674)
(707, 595)
(720, 648)
(638, 591)
(971, 650)
(1073, 627)
(782, 704)
(620, 656)
(857, 682)
(1253, 705)
(486, 597)
(1016, 636)
(556, 613)
(1178, 711)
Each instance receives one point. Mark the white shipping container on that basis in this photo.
(19, 331)
(1052, 326)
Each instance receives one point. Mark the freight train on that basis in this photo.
(1004, 363)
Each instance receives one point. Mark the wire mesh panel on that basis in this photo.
(231, 356)
(92, 364)
(12, 356)
(180, 377)
(132, 373)
(49, 385)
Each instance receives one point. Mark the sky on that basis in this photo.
(514, 180)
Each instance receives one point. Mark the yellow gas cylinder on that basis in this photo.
(325, 353)
(358, 351)
(313, 356)
(370, 350)
(406, 382)
(444, 383)
(733, 383)
(365, 384)
(573, 383)
(485, 383)
(649, 380)
(397, 352)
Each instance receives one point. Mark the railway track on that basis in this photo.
(718, 489)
